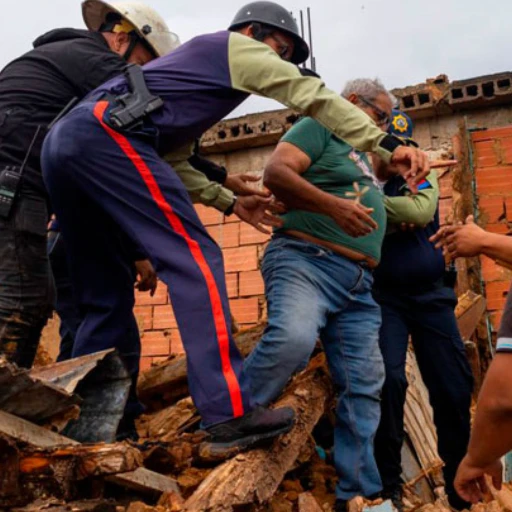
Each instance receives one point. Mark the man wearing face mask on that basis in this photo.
(64, 64)
(104, 158)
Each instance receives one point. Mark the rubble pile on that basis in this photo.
(57, 452)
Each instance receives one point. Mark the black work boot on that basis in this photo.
(395, 494)
(231, 437)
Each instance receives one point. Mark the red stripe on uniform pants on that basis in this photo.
(218, 313)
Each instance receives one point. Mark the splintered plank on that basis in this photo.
(23, 430)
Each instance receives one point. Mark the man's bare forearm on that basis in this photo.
(293, 190)
(497, 247)
(492, 430)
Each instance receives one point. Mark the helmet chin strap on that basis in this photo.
(133, 43)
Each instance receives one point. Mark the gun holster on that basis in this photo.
(134, 106)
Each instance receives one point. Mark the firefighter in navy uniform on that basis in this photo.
(64, 64)
(102, 163)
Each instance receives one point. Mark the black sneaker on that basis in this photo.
(233, 436)
(395, 494)
(340, 505)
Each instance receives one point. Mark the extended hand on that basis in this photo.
(461, 240)
(412, 164)
(470, 481)
(238, 183)
(351, 216)
(255, 211)
(146, 277)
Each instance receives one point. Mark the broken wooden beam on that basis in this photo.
(254, 477)
(167, 383)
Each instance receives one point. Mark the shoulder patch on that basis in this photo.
(422, 185)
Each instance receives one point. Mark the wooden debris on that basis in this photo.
(171, 501)
(419, 427)
(307, 503)
(54, 505)
(166, 383)
(81, 461)
(469, 311)
(139, 506)
(29, 398)
(25, 431)
(145, 481)
(99, 460)
(167, 423)
(253, 477)
(9, 464)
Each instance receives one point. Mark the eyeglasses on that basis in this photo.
(382, 117)
(285, 50)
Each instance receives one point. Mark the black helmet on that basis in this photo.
(273, 15)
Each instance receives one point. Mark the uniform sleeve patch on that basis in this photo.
(422, 185)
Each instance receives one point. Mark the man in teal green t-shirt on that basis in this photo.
(318, 280)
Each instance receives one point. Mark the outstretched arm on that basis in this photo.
(469, 239)
(257, 69)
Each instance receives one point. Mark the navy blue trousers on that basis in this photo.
(65, 305)
(429, 319)
(70, 316)
(101, 182)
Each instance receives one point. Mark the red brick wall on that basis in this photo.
(493, 171)
(242, 246)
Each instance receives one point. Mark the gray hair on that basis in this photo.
(367, 88)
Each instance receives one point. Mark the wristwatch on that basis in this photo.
(229, 210)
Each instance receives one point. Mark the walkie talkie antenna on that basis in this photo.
(313, 60)
(302, 31)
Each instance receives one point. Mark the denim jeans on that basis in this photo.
(26, 286)
(313, 292)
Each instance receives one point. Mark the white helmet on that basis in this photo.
(147, 23)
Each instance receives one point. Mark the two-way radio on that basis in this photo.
(10, 175)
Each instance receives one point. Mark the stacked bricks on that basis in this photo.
(492, 151)
(242, 247)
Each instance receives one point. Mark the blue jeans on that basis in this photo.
(313, 292)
